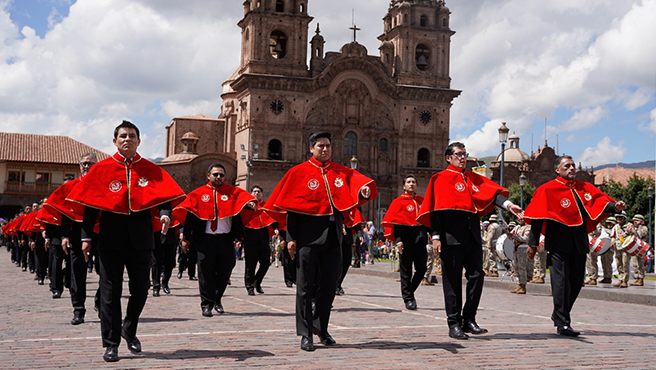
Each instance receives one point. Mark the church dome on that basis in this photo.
(190, 136)
(514, 155)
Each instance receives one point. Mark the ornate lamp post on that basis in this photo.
(522, 182)
(503, 138)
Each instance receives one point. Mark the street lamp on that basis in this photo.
(503, 138)
(522, 182)
(650, 194)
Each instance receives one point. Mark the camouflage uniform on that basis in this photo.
(620, 233)
(592, 265)
(640, 231)
(494, 231)
(521, 264)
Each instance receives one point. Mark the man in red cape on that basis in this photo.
(565, 211)
(126, 190)
(454, 202)
(208, 215)
(315, 195)
(402, 228)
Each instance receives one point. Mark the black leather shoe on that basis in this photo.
(457, 333)
(258, 288)
(473, 328)
(339, 291)
(40, 282)
(134, 345)
(207, 312)
(219, 308)
(78, 318)
(155, 292)
(289, 284)
(56, 294)
(180, 275)
(567, 331)
(326, 339)
(193, 278)
(411, 305)
(306, 344)
(251, 291)
(24, 268)
(166, 289)
(111, 354)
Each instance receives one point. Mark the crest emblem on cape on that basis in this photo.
(565, 203)
(587, 196)
(224, 197)
(339, 182)
(313, 184)
(205, 198)
(460, 186)
(143, 182)
(115, 186)
(410, 208)
(475, 188)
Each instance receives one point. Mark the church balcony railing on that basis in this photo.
(21, 187)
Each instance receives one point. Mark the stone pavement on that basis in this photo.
(370, 324)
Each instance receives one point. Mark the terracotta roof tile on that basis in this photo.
(43, 149)
(621, 174)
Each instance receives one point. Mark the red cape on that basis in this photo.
(455, 189)
(555, 201)
(256, 219)
(112, 186)
(207, 202)
(57, 204)
(403, 210)
(29, 223)
(313, 188)
(354, 218)
(46, 217)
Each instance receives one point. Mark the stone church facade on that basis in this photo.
(389, 112)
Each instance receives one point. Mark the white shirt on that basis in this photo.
(223, 226)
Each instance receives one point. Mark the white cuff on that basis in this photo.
(506, 204)
(86, 239)
(436, 237)
(166, 217)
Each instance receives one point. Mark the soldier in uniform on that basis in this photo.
(620, 232)
(494, 231)
(638, 262)
(591, 264)
(521, 264)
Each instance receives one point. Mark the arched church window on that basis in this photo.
(444, 22)
(302, 8)
(278, 44)
(351, 143)
(423, 21)
(383, 145)
(422, 56)
(275, 150)
(280, 6)
(423, 158)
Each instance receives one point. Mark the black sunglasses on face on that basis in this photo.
(218, 174)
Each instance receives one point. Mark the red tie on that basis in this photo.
(128, 162)
(214, 224)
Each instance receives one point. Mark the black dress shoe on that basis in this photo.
(134, 345)
(326, 339)
(166, 289)
(289, 284)
(111, 354)
(78, 318)
(219, 308)
(207, 312)
(306, 344)
(193, 278)
(567, 331)
(40, 282)
(473, 328)
(155, 292)
(457, 333)
(251, 291)
(180, 275)
(339, 291)
(411, 304)
(56, 294)
(24, 268)
(258, 288)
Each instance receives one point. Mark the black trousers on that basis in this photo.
(40, 258)
(164, 262)
(57, 258)
(325, 260)
(112, 265)
(216, 259)
(288, 266)
(412, 253)
(567, 271)
(346, 260)
(454, 258)
(254, 253)
(78, 269)
(187, 261)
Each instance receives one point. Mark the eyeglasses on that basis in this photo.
(461, 155)
(87, 164)
(217, 174)
(256, 191)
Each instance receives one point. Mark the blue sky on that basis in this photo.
(77, 68)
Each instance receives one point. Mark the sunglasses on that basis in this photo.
(217, 174)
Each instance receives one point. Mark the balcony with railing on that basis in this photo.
(22, 187)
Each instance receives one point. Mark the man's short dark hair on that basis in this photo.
(213, 165)
(560, 159)
(256, 187)
(409, 176)
(92, 154)
(318, 135)
(455, 144)
(126, 124)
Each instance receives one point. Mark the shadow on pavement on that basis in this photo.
(387, 345)
(362, 309)
(239, 355)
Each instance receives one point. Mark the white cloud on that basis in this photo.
(604, 152)
(652, 120)
(584, 118)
